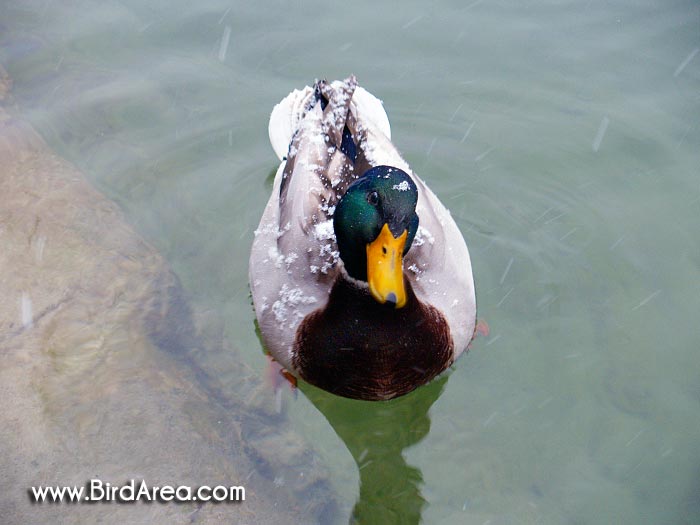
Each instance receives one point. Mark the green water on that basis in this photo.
(565, 139)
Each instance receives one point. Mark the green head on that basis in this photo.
(375, 222)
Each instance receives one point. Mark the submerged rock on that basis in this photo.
(95, 379)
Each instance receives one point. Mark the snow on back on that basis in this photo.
(423, 235)
(323, 231)
(325, 208)
(273, 229)
(286, 307)
(278, 258)
(325, 235)
(275, 256)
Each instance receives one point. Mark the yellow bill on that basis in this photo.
(385, 267)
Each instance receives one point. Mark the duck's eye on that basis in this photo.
(373, 198)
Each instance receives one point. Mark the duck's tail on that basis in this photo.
(287, 115)
(285, 119)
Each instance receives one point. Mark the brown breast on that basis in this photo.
(358, 348)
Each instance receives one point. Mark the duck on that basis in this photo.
(360, 278)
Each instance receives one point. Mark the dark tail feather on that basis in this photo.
(326, 94)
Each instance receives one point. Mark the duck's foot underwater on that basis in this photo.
(482, 329)
(277, 375)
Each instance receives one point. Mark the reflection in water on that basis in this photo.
(377, 434)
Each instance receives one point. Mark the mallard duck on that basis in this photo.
(361, 281)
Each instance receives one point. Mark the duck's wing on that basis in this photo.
(320, 160)
(294, 259)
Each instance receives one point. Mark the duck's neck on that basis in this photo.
(355, 265)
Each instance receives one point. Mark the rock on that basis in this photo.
(95, 381)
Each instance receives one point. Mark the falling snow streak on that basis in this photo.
(546, 300)
(26, 310)
(411, 22)
(473, 4)
(505, 272)
(493, 339)
(635, 438)
(466, 133)
(481, 156)
(224, 15)
(430, 148)
(687, 60)
(456, 112)
(223, 47)
(569, 233)
(617, 243)
(505, 297)
(601, 133)
(558, 216)
(489, 419)
(646, 300)
(544, 214)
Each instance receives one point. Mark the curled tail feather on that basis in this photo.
(286, 116)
